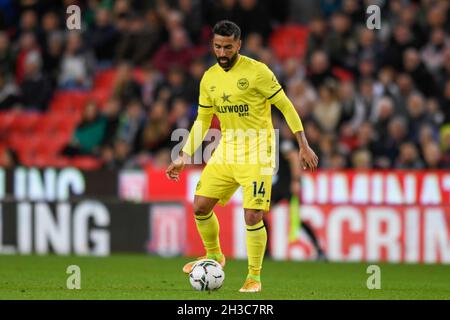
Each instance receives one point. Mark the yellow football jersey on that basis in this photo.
(241, 99)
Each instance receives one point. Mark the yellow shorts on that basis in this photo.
(220, 181)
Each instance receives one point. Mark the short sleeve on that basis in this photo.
(267, 83)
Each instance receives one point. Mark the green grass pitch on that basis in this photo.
(154, 278)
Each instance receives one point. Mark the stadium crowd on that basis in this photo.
(367, 98)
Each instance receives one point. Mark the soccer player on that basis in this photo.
(239, 91)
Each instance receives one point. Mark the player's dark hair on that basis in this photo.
(227, 28)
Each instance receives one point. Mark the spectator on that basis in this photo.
(8, 158)
(387, 149)
(131, 124)
(406, 87)
(175, 85)
(338, 161)
(314, 135)
(381, 115)
(6, 55)
(320, 69)
(157, 131)
(341, 43)
(417, 116)
(50, 24)
(125, 87)
(221, 9)
(401, 39)
(386, 86)
(89, 133)
(180, 116)
(423, 80)
(433, 156)
(353, 110)
(52, 56)
(111, 112)
(103, 37)
(139, 39)
(433, 54)
(292, 70)
(328, 109)
(178, 51)
(117, 156)
(255, 18)
(195, 75)
(445, 102)
(327, 147)
(362, 160)
(408, 157)
(316, 36)
(192, 19)
(27, 46)
(252, 45)
(77, 64)
(9, 93)
(152, 80)
(36, 89)
(303, 96)
(29, 23)
(301, 11)
(368, 96)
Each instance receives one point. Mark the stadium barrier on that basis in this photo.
(391, 216)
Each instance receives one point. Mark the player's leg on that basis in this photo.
(208, 229)
(256, 237)
(257, 187)
(208, 226)
(215, 186)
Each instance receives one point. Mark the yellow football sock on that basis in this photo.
(208, 228)
(256, 246)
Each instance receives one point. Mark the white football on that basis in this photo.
(207, 274)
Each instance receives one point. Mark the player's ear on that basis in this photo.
(239, 45)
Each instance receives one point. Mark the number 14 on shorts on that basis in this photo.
(260, 190)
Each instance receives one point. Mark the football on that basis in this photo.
(206, 275)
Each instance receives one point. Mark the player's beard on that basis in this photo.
(227, 63)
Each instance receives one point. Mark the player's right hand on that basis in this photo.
(174, 169)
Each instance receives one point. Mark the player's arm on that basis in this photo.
(270, 88)
(196, 135)
(308, 158)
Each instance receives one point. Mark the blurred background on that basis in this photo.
(91, 111)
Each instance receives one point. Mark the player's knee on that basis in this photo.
(201, 210)
(253, 217)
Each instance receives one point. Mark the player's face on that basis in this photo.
(226, 50)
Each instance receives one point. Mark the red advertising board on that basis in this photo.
(392, 216)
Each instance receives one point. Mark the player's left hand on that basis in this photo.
(175, 168)
(308, 159)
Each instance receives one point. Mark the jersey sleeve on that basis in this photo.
(201, 123)
(266, 83)
(204, 100)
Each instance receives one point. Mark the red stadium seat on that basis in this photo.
(57, 121)
(100, 96)
(289, 41)
(69, 101)
(105, 79)
(86, 163)
(26, 122)
(7, 119)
